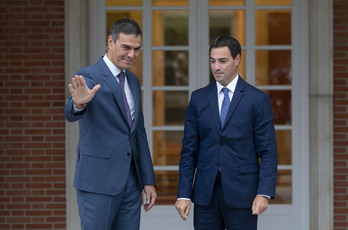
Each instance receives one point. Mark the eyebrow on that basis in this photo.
(219, 59)
(127, 46)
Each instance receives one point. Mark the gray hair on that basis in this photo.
(126, 26)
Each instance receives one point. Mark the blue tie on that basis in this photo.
(224, 107)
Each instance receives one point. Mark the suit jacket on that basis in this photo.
(107, 143)
(235, 149)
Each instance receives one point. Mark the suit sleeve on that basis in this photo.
(145, 161)
(189, 151)
(266, 147)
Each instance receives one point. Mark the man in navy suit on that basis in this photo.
(228, 164)
(113, 162)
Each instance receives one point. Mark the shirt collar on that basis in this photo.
(231, 86)
(114, 70)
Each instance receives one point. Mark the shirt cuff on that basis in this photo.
(268, 197)
(76, 110)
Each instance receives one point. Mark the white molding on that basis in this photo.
(301, 118)
(201, 49)
(96, 33)
(321, 114)
(250, 42)
(76, 57)
(147, 71)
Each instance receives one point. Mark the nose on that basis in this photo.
(131, 53)
(215, 67)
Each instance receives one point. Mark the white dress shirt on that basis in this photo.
(220, 93)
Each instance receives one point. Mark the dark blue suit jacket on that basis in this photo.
(106, 141)
(235, 149)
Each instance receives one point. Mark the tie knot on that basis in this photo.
(121, 76)
(225, 90)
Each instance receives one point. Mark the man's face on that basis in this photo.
(223, 66)
(124, 51)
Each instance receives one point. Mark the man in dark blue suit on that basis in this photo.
(228, 164)
(113, 162)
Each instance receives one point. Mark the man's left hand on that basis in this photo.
(260, 205)
(151, 195)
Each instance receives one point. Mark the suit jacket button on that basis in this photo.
(128, 154)
(221, 144)
(216, 164)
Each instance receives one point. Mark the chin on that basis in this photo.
(218, 79)
(128, 64)
(125, 66)
(221, 82)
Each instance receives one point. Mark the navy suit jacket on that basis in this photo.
(235, 149)
(106, 142)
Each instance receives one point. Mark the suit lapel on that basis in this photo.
(237, 96)
(114, 86)
(213, 100)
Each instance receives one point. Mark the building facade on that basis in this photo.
(44, 42)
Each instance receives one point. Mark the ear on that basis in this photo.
(237, 59)
(110, 41)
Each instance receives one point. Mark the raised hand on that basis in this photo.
(80, 92)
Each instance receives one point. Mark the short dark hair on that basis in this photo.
(232, 44)
(125, 25)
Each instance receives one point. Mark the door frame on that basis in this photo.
(321, 76)
(317, 104)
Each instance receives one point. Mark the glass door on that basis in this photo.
(175, 61)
